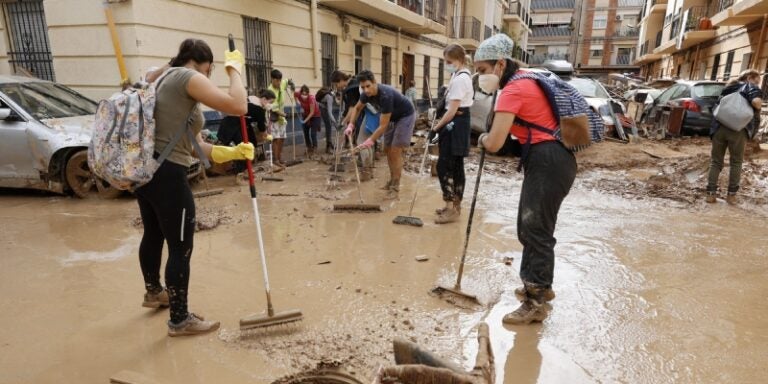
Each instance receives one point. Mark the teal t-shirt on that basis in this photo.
(371, 121)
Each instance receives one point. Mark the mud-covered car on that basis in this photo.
(45, 129)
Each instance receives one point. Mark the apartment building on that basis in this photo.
(597, 36)
(518, 24)
(69, 41)
(703, 39)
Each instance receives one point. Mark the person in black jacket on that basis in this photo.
(349, 87)
(734, 141)
(230, 132)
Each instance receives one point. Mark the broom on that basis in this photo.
(357, 207)
(294, 161)
(412, 220)
(272, 318)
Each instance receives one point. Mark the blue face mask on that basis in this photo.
(451, 68)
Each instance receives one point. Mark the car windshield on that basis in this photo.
(708, 90)
(589, 88)
(48, 100)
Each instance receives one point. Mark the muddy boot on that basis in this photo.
(711, 198)
(528, 312)
(386, 186)
(450, 215)
(547, 294)
(192, 325)
(156, 299)
(394, 191)
(732, 199)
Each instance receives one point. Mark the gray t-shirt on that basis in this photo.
(172, 110)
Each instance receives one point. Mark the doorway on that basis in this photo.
(409, 64)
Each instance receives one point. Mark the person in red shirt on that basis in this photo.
(549, 171)
(311, 118)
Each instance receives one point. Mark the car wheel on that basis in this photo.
(83, 183)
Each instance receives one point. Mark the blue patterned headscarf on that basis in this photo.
(496, 47)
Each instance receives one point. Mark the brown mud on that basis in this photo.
(649, 290)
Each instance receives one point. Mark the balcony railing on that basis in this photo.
(644, 48)
(541, 58)
(658, 40)
(550, 32)
(724, 4)
(627, 32)
(516, 8)
(553, 4)
(623, 60)
(436, 10)
(416, 6)
(488, 32)
(466, 27)
(521, 55)
(694, 15)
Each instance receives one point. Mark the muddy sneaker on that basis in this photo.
(441, 211)
(386, 186)
(547, 295)
(529, 311)
(192, 325)
(711, 198)
(731, 199)
(156, 300)
(451, 215)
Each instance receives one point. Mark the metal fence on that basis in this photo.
(694, 15)
(416, 6)
(623, 60)
(550, 32)
(30, 50)
(627, 32)
(517, 8)
(258, 52)
(466, 27)
(723, 4)
(488, 32)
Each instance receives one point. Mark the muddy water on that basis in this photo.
(648, 291)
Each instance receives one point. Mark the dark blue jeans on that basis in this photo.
(550, 170)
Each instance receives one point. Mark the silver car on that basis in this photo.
(45, 129)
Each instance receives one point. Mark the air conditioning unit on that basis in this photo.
(618, 17)
(367, 33)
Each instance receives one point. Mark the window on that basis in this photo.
(386, 65)
(258, 54)
(328, 52)
(597, 53)
(745, 59)
(600, 22)
(728, 65)
(713, 75)
(426, 77)
(30, 50)
(358, 58)
(440, 73)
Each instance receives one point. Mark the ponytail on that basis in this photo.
(192, 50)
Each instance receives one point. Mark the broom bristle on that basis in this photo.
(356, 207)
(408, 220)
(262, 321)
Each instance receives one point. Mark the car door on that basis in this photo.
(661, 102)
(17, 163)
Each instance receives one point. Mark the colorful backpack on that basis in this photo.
(579, 126)
(123, 141)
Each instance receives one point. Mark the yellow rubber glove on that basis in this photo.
(222, 154)
(269, 137)
(235, 60)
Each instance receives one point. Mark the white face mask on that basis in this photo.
(451, 68)
(488, 83)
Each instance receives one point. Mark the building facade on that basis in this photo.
(703, 39)
(596, 36)
(70, 41)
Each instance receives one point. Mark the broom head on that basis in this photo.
(408, 220)
(356, 207)
(262, 320)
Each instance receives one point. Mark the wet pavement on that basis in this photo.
(648, 291)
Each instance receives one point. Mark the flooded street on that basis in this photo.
(648, 290)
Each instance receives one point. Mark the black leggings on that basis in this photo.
(450, 172)
(168, 212)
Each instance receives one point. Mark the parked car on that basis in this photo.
(597, 98)
(45, 129)
(698, 98)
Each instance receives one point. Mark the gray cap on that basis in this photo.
(496, 47)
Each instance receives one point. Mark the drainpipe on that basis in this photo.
(760, 42)
(124, 80)
(315, 34)
(399, 58)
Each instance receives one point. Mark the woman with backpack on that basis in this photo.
(310, 118)
(454, 130)
(166, 203)
(549, 170)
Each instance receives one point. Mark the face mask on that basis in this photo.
(304, 96)
(489, 83)
(451, 68)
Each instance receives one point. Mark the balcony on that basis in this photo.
(554, 4)
(410, 15)
(541, 58)
(739, 13)
(646, 52)
(693, 34)
(658, 6)
(629, 33)
(622, 60)
(518, 13)
(488, 32)
(631, 3)
(521, 54)
(466, 30)
(551, 33)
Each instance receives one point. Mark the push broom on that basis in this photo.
(412, 220)
(271, 318)
(356, 207)
(294, 161)
(456, 289)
